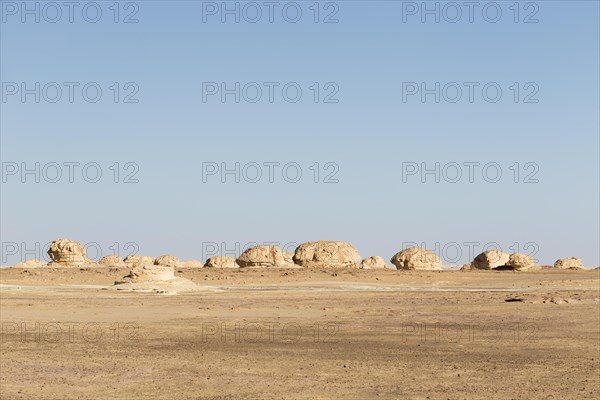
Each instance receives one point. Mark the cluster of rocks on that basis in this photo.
(498, 260)
(318, 254)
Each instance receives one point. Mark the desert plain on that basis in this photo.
(260, 333)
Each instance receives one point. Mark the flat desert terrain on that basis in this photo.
(302, 334)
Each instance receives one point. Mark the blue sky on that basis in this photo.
(363, 128)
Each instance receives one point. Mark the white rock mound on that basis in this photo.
(221, 262)
(416, 258)
(566, 263)
(327, 254)
(150, 273)
(168, 261)
(262, 256)
(490, 259)
(31, 263)
(112, 261)
(374, 262)
(138, 260)
(67, 253)
(521, 262)
(154, 278)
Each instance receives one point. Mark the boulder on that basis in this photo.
(566, 263)
(490, 259)
(168, 260)
(374, 262)
(111, 261)
(139, 260)
(221, 262)
(65, 252)
(261, 256)
(416, 258)
(520, 262)
(327, 254)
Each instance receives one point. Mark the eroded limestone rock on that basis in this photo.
(221, 262)
(168, 260)
(374, 262)
(112, 261)
(154, 278)
(566, 263)
(262, 256)
(520, 262)
(490, 259)
(65, 252)
(327, 254)
(416, 258)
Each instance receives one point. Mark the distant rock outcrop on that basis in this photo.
(138, 260)
(154, 278)
(566, 263)
(327, 254)
(112, 261)
(374, 262)
(221, 262)
(168, 260)
(416, 258)
(262, 256)
(67, 253)
(490, 259)
(149, 273)
(520, 262)
(32, 263)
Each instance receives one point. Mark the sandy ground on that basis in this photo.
(297, 334)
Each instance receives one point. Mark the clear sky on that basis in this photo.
(370, 73)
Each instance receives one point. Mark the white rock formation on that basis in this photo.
(67, 253)
(374, 262)
(520, 262)
(490, 259)
(154, 278)
(138, 260)
(112, 261)
(32, 263)
(262, 256)
(566, 263)
(327, 254)
(416, 258)
(168, 260)
(221, 262)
